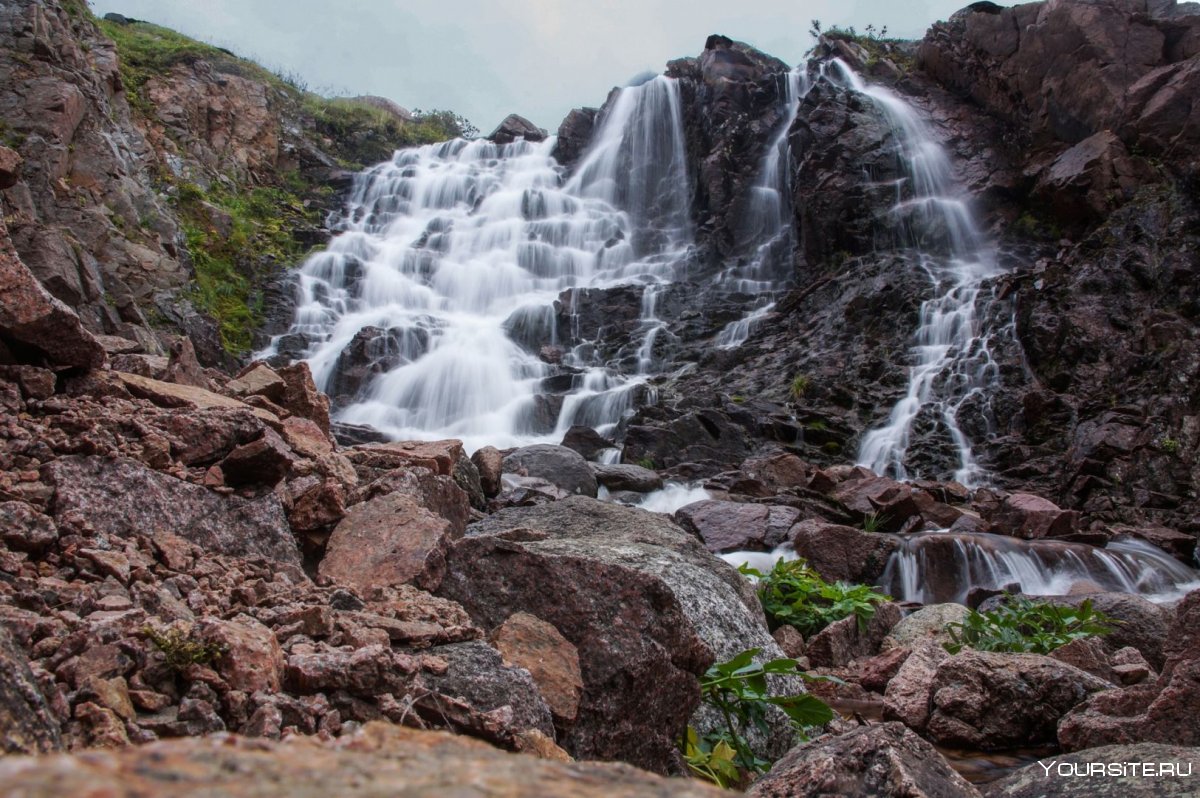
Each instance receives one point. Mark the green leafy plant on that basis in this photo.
(739, 692)
(794, 594)
(1025, 626)
(1168, 444)
(645, 462)
(180, 648)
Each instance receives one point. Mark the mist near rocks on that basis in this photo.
(484, 60)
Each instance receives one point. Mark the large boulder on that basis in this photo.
(515, 127)
(1110, 771)
(1031, 517)
(990, 701)
(389, 540)
(884, 761)
(96, 491)
(382, 759)
(737, 526)
(926, 623)
(626, 476)
(557, 465)
(843, 553)
(646, 606)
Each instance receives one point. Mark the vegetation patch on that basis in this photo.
(794, 594)
(181, 649)
(1022, 625)
(237, 238)
(739, 692)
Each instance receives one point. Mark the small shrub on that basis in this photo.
(1024, 626)
(180, 648)
(800, 385)
(739, 692)
(796, 595)
(646, 462)
(1169, 445)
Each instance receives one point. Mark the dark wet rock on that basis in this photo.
(886, 760)
(516, 127)
(736, 526)
(624, 476)
(558, 465)
(586, 441)
(574, 134)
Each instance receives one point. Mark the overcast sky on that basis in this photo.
(488, 58)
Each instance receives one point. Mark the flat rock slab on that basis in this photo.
(380, 760)
(170, 394)
(123, 497)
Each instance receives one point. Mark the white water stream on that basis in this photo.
(457, 249)
(952, 358)
(771, 232)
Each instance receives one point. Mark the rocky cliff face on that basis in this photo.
(1082, 187)
(138, 158)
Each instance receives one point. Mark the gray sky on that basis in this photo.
(488, 58)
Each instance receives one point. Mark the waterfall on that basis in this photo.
(953, 363)
(768, 220)
(453, 255)
(940, 567)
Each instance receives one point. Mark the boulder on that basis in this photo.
(1085, 182)
(251, 659)
(490, 465)
(372, 459)
(34, 321)
(844, 641)
(1159, 712)
(438, 494)
(557, 465)
(27, 724)
(927, 623)
(736, 526)
(908, 694)
(1032, 517)
(1090, 774)
(883, 761)
(646, 606)
(96, 491)
(625, 476)
(381, 759)
(261, 462)
(892, 503)
(991, 701)
(574, 135)
(516, 127)
(476, 674)
(841, 552)
(529, 642)
(389, 540)
(257, 379)
(169, 394)
(586, 441)
(301, 397)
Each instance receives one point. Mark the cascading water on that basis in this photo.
(455, 253)
(769, 225)
(942, 566)
(953, 361)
